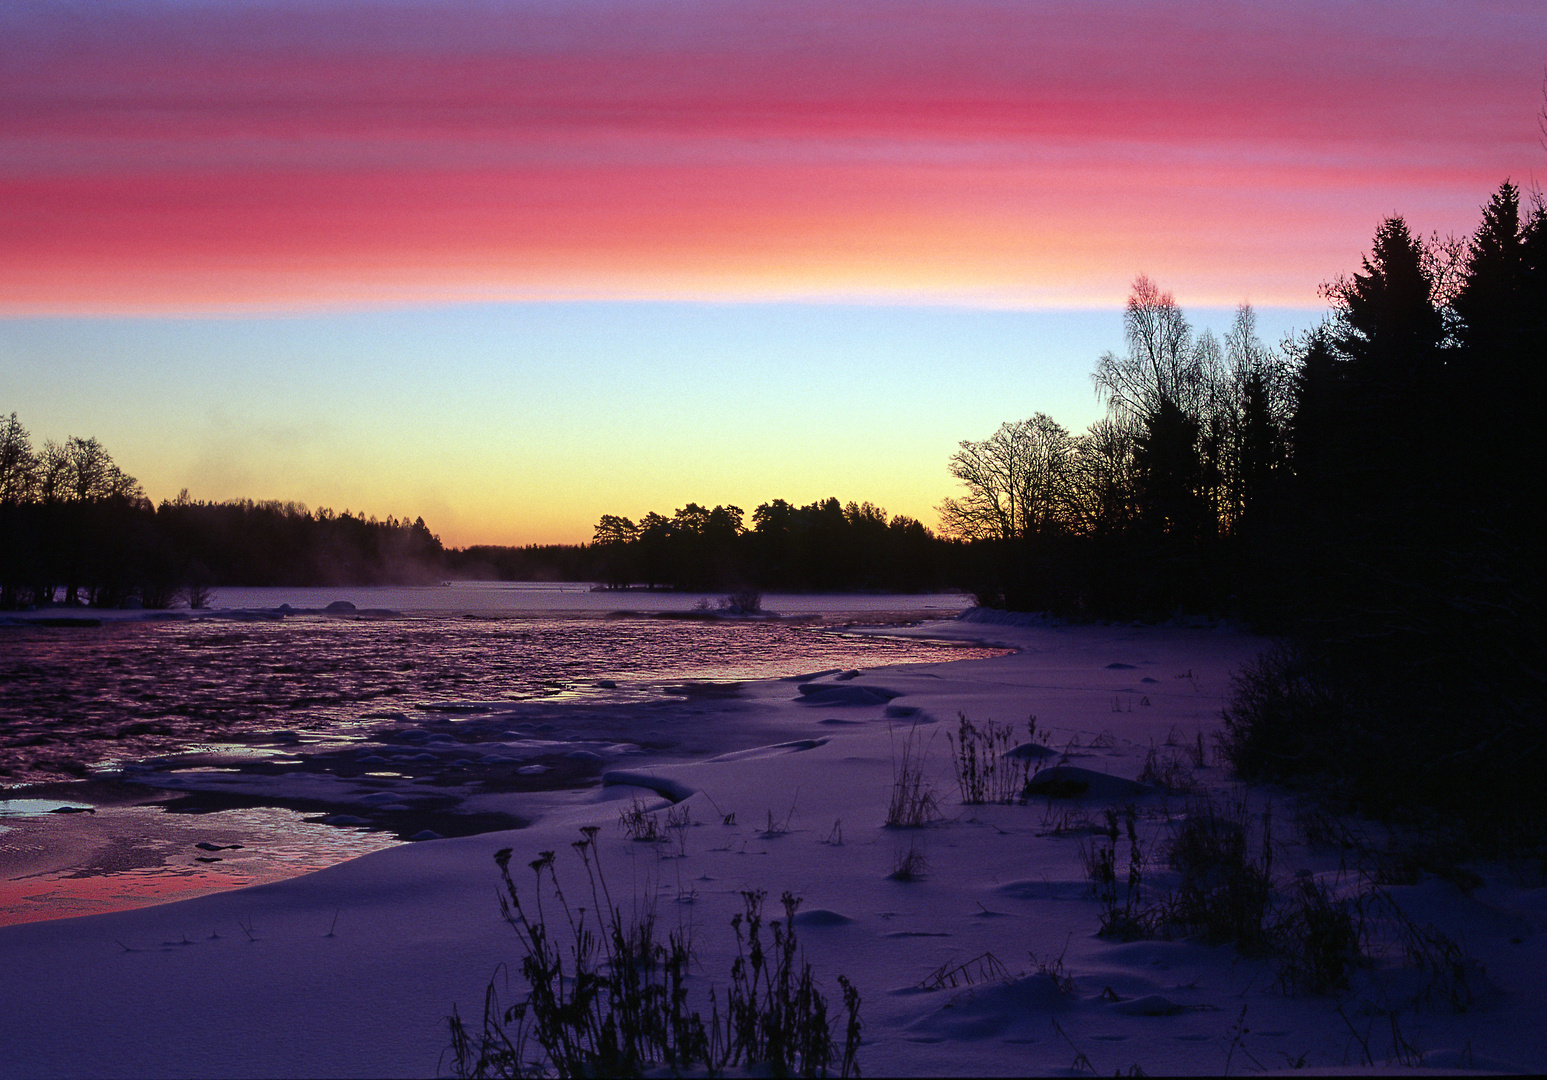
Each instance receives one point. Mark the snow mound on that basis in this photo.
(844, 696)
(1029, 751)
(995, 1009)
(380, 798)
(1148, 1005)
(1464, 1060)
(794, 747)
(1044, 889)
(995, 617)
(821, 917)
(1073, 782)
(672, 790)
(811, 675)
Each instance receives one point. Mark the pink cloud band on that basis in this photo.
(186, 155)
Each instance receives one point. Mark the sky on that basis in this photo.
(511, 266)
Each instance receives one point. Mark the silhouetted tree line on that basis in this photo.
(273, 543)
(1371, 491)
(821, 547)
(1410, 545)
(76, 529)
(1161, 504)
(530, 562)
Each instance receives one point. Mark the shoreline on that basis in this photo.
(272, 806)
(358, 965)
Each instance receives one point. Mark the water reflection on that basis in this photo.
(122, 857)
(224, 697)
(82, 699)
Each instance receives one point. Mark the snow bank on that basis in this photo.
(988, 963)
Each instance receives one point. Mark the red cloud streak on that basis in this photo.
(161, 155)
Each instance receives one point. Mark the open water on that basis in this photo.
(75, 700)
(430, 693)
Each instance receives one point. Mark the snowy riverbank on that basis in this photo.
(352, 970)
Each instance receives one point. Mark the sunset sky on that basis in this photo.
(514, 265)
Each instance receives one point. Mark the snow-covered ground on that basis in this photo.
(352, 971)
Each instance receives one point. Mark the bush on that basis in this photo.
(911, 864)
(1225, 893)
(1170, 773)
(613, 1001)
(742, 602)
(1319, 940)
(1282, 719)
(1425, 733)
(913, 803)
(1124, 913)
(984, 773)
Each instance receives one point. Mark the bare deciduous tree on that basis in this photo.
(1163, 362)
(53, 483)
(1019, 481)
(18, 464)
(1103, 499)
(80, 471)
